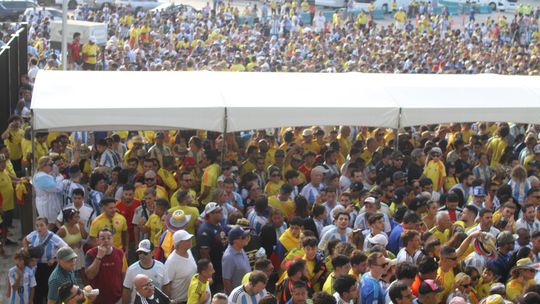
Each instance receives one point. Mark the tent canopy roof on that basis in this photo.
(226, 101)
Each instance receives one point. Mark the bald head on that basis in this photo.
(141, 280)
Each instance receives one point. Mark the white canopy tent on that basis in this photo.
(228, 102)
(429, 99)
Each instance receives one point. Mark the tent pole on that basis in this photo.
(396, 132)
(224, 134)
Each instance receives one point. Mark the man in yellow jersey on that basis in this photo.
(209, 177)
(90, 52)
(113, 221)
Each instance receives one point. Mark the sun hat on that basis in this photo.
(428, 286)
(177, 220)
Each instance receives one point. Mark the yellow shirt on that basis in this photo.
(328, 286)
(196, 289)
(483, 288)
(435, 171)
(41, 150)
(495, 148)
(272, 188)
(400, 17)
(174, 200)
(237, 68)
(167, 178)
(90, 50)
(312, 147)
(193, 212)
(447, 279)
(287, 208)
(117, 225)
(26, 146)
(13, 144)
(160, 192)
(247, 166)
(209, 179)
(441, 236)
(155, 225)
(515, 288)
(366, 156)
(7, 192)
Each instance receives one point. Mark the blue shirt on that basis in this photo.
(394, 241)
(235, 265)
(370, 290)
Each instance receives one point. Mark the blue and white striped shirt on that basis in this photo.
(239, 295)
(50, 249)
(28, 280)
(109, 159)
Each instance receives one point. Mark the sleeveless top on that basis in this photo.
(72, 239)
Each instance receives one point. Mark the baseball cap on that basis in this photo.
(145, 246)
(307, 132)
(237, 233)
(92, 39)
(211, 207)
(436, 150)
(497, 287)
(398, 175)
(160, 135)
(66, 254)
(479, 191)
(378, 239)
(370, 200)
(356, 187)
(428, 286)
(505, 237)
(181, 235)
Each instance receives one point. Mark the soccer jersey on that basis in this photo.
(28, 281)
(239, 295)
(117, 225)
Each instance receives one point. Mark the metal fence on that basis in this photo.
(13, 64)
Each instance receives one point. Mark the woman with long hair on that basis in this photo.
(519, 183)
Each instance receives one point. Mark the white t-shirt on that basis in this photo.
(157, 273)
(180, 271)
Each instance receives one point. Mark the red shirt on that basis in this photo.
(75, 51)
(128, 211)
(109, 278)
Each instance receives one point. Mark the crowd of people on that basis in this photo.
(295, 36)
(438, 214)
(447, 214)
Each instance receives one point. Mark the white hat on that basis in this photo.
(370, 200)
(379, 239)
(145, 246)
(181, 235)
(307, 132)
(92, 39)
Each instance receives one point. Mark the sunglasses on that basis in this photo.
(383, 265)
(466, 285)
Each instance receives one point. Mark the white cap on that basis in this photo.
(92, 39)
(181, 235)
(370, 200)
(379, 239)
(145, 246)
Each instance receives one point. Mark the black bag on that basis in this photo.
(39, 250)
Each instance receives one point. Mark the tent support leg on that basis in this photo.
(224, 142)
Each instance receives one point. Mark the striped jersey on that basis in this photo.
(49, 251)
(28, 281)
(239, 295)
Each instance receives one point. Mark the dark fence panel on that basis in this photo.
(13, 64)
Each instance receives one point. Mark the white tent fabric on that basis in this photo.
(226, 101)
(269, 100)
(89, 101)
(429, 99)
